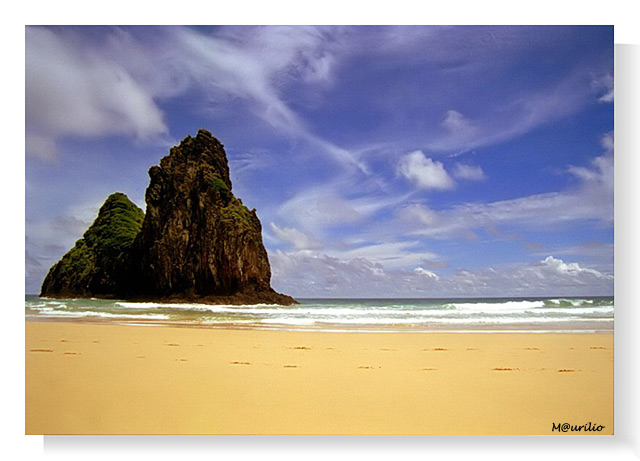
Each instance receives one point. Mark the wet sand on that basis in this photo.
(116, 379)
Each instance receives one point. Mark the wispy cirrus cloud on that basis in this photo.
(603, 86)
(256, 64)
(112, 86)
(512, 115)
(73, 89)
(344, 201)
(297, 239)
(391, 255)
(468, 172)
(459, 126)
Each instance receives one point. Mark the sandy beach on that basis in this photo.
(115, 379)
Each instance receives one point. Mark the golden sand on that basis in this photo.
(114, 379)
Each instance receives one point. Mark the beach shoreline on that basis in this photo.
(589, 315)
(575, 328)
(95, 378)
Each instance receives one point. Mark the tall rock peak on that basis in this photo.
(197, 242)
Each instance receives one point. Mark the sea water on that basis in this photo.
(587, 314)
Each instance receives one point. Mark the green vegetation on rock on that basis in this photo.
(116, 226)
(83, 269)
(238, 215)
(220, 187)
(218, 184)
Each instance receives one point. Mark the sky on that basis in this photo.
(391, 161)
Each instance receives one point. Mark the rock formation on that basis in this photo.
(92, 267)
(197, 241)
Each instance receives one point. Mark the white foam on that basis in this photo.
(107, 315)
(575, 310)
(426, 321)
(196, 306)
(35, 305)
(512, 306)
(574, 302)
(288, 321)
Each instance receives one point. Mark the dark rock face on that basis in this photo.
(197, 242)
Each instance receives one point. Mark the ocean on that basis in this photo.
(588, 314)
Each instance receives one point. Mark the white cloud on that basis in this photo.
(420, 214)
(468, 172)
(608, 97)
(600, 175)
(243, 63)
(426, 273)
(89, 88)
(466, 63)
(254, 64)
(117, 79)
(254, 160)
(512, 116)
(319, 68)
(458, 125)
(424, 172)
(320, 207)
(592, 199)
(73, 90)
(294, 237)
(573, 269)
(603, 86)
(599, 255)
(334, 204)
(542, 211)
(311, 274)
(391, 255)
(607, 142)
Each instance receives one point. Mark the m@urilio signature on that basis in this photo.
(566, 427)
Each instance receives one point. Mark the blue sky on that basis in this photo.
(382, 161)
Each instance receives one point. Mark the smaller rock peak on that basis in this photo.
(116, 200)
(116, 197)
